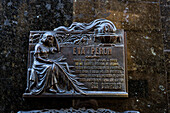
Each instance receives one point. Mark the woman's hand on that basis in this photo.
(53, 49)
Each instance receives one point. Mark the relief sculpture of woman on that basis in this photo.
(45, 71)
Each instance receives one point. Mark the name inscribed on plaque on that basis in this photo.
(92, 50)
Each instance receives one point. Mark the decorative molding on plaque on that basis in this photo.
(81, 110)
(85, 59)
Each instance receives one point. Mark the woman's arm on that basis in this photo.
(39, 58)
(53, 49)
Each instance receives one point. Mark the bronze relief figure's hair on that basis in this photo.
(44, 38)
(56, 44)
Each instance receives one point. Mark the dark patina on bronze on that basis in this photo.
(83, 60)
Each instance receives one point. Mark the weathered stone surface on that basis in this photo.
(125, 15)
(165, 17)
(140, 19)
(165, 10)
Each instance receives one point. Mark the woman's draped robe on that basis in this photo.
(44, 75)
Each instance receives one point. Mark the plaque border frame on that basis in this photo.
(112, 94)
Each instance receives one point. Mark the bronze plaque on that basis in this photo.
(85, 59)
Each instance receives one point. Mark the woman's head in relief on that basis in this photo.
(48, 39)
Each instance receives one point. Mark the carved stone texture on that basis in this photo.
(85, 59)
(81, 110)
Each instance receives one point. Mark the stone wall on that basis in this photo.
(146, 23)
(165, 19)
